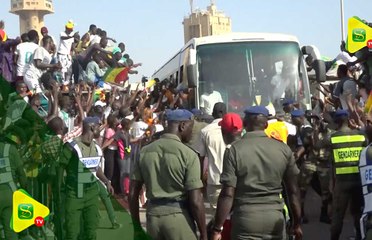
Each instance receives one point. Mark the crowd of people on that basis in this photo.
(69, 138)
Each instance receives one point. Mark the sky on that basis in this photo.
(153, 32)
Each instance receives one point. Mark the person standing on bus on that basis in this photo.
(24, 53)
(209, 98)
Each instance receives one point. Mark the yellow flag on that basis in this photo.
(150, 83)
(27, 211)
(359, 35)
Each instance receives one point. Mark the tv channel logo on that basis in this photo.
(25, 211)
(359, 35)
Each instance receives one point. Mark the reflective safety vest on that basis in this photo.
(87, 168)
(346, 152)
(365, 169)
(6, 176)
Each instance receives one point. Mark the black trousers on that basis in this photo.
(345, 193)
(112, 171)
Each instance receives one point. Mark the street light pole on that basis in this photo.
(342, 20)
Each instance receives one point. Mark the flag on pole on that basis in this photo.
(150, 83)
(116, 75)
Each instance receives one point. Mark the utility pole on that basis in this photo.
(342, 20)
(191, 6)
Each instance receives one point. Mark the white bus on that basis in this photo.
(245, 68)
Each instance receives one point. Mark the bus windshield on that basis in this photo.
(253, 73)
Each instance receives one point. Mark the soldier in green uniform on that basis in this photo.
(11, 173)
(81, 159)
(252, 183)
(170, 171)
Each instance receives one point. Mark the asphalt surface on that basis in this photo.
(314, 230)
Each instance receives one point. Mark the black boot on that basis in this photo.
(324, 218)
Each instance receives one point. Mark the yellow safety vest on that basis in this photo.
(346, 152)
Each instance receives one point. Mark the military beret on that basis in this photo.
(196, 112)
(287, 102)
(257, 110)
(298, 113)
(179, 115)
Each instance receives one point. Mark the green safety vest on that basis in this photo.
(87, 168)
(346, 152)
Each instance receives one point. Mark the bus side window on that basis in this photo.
(181, 74)
(177, 77)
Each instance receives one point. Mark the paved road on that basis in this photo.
(314, 230)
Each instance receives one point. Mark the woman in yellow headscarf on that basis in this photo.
(277, 130)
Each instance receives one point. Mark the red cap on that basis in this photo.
(231, 123)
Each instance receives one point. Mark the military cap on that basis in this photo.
(298, 113)
(257, 110)
(179, 115)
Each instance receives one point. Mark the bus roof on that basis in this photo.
(242, 37)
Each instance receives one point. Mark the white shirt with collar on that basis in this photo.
(213, 147)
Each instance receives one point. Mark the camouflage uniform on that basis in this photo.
(307, 162)
(321, 153)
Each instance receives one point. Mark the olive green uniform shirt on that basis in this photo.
(16, 165)
(196, 139)
(255, 166)
(169, 169)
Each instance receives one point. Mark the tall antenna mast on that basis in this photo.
(192, 6)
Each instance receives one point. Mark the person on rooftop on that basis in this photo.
(67, 38)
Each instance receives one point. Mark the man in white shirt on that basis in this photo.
(96, 38)
(24, 53)
(209, 99)
(39, 65)
(213, 147)
(64, 51)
